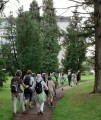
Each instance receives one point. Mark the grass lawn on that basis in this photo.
(5, 103)
(78, 104)
(87, 77)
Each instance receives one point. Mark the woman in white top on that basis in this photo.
(62, 81)
(40, 95)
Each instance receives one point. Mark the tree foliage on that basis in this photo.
(34, 10)
(8, 49)
(28, 43)
(75, 45)
(50, 37)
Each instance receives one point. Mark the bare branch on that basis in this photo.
(81, 2)
(89, 27)
(75, 1)
(82, 13)
(3, 4)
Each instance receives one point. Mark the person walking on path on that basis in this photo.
(40, 96)
(55, 82)
(28, 92)
(62, 79)
(51, 87)
(69, 78)
(78, 77)
(16, 92)
(74, 81)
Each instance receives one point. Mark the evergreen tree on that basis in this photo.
(34, 10)
(27, 42)
(8, 49)
(75, 45)
(50, 37)
(35, 16)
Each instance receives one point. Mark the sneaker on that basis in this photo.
(41, 112)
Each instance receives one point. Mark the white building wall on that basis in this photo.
(62, 23)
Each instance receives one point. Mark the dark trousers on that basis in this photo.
(69, 82)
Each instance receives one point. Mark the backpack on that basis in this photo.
(38, 87)
(14, 86)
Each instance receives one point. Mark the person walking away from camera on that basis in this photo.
(62, 79)
(74, 81)
(51, 87)
(16, 92)
(78, 77)
(28, 92)
(69, 78)
(54, 80)
(40, 96)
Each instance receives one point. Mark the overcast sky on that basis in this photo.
(13, 6)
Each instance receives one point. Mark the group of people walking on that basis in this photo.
(73, 79)
(36, 89)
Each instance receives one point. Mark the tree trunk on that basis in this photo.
(97, 16)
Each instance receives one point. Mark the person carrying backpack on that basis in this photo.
(40, 96)
(28, 92)
(16, 92)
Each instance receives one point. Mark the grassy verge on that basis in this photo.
(6, 102)
(87, 77)
(78, 104)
